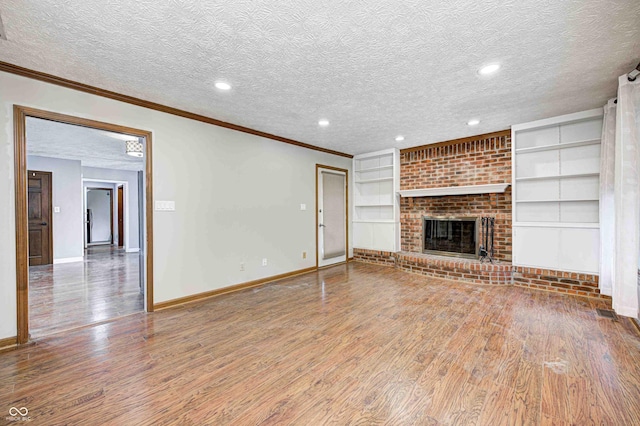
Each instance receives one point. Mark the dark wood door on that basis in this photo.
(39, 211)
(120, 216)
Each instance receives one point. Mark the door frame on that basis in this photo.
(117, 183)
(50, 248)
(346, 213)
(110, 214)
(120, 215)
(20, 114)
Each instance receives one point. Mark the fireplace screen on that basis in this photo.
(450, 236)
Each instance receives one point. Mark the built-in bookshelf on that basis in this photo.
(376, 212)
(556, 186)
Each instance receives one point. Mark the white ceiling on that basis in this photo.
(375, 69)
(92, 147)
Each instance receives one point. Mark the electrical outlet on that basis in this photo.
(242, 266)
(304, 254)
(264, 262)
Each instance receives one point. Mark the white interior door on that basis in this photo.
(332, 216)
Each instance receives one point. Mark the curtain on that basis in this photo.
(607, 210)
(627, 199)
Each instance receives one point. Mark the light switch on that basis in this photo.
(56, 209)
(303, 206)
(167, 206)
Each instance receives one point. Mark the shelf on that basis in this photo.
(590, 225)
(372, 169)
(455, 190)
(558, 146)
(374, 221)
(520, 179)
(375, 204)
(375, 180)
(557, 200)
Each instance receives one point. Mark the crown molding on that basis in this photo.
(70, 84)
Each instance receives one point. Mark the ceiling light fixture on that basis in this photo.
(222, 85)
(473, 122)
(324, 122)
(399, 138)
(489, 69)
(135, 149)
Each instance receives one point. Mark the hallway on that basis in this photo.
(63, 296)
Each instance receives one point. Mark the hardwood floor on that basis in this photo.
(63, 296)
(352, 344)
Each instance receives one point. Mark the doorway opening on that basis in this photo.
(98, 205)
(332, 217)
(97, 269)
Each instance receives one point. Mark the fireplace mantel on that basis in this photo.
(455, 190)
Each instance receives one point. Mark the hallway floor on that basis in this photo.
(105, 285)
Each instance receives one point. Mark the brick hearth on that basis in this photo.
(475, 272)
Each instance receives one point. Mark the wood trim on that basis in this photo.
(346, 188)
(22, 224)
(120, 215)
(149, 221)
(230, 289)
(51, 253)
(74, 85)
(8, 343)
(20, 114)
(498, 134)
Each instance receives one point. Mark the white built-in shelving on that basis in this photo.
(376, 210)
(556, 178)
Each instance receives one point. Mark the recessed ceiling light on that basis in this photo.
(473, 122)
(223, 86)
(324, 122)
(489, 69)
(399, 138)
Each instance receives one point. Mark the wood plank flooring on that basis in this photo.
(355, 344)
(63, 296)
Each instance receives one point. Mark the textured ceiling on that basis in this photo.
(92, 147)
(374, 69)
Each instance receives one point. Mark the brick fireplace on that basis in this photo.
(468, 162)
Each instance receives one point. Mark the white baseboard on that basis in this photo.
(67, 260)
(132, 250)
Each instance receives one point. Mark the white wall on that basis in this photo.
(237, 195)
(67, 195)
(132, 198)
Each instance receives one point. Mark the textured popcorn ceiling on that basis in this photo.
(375, 69)
(92, 147)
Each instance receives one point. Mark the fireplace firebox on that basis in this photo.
(450, 236)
